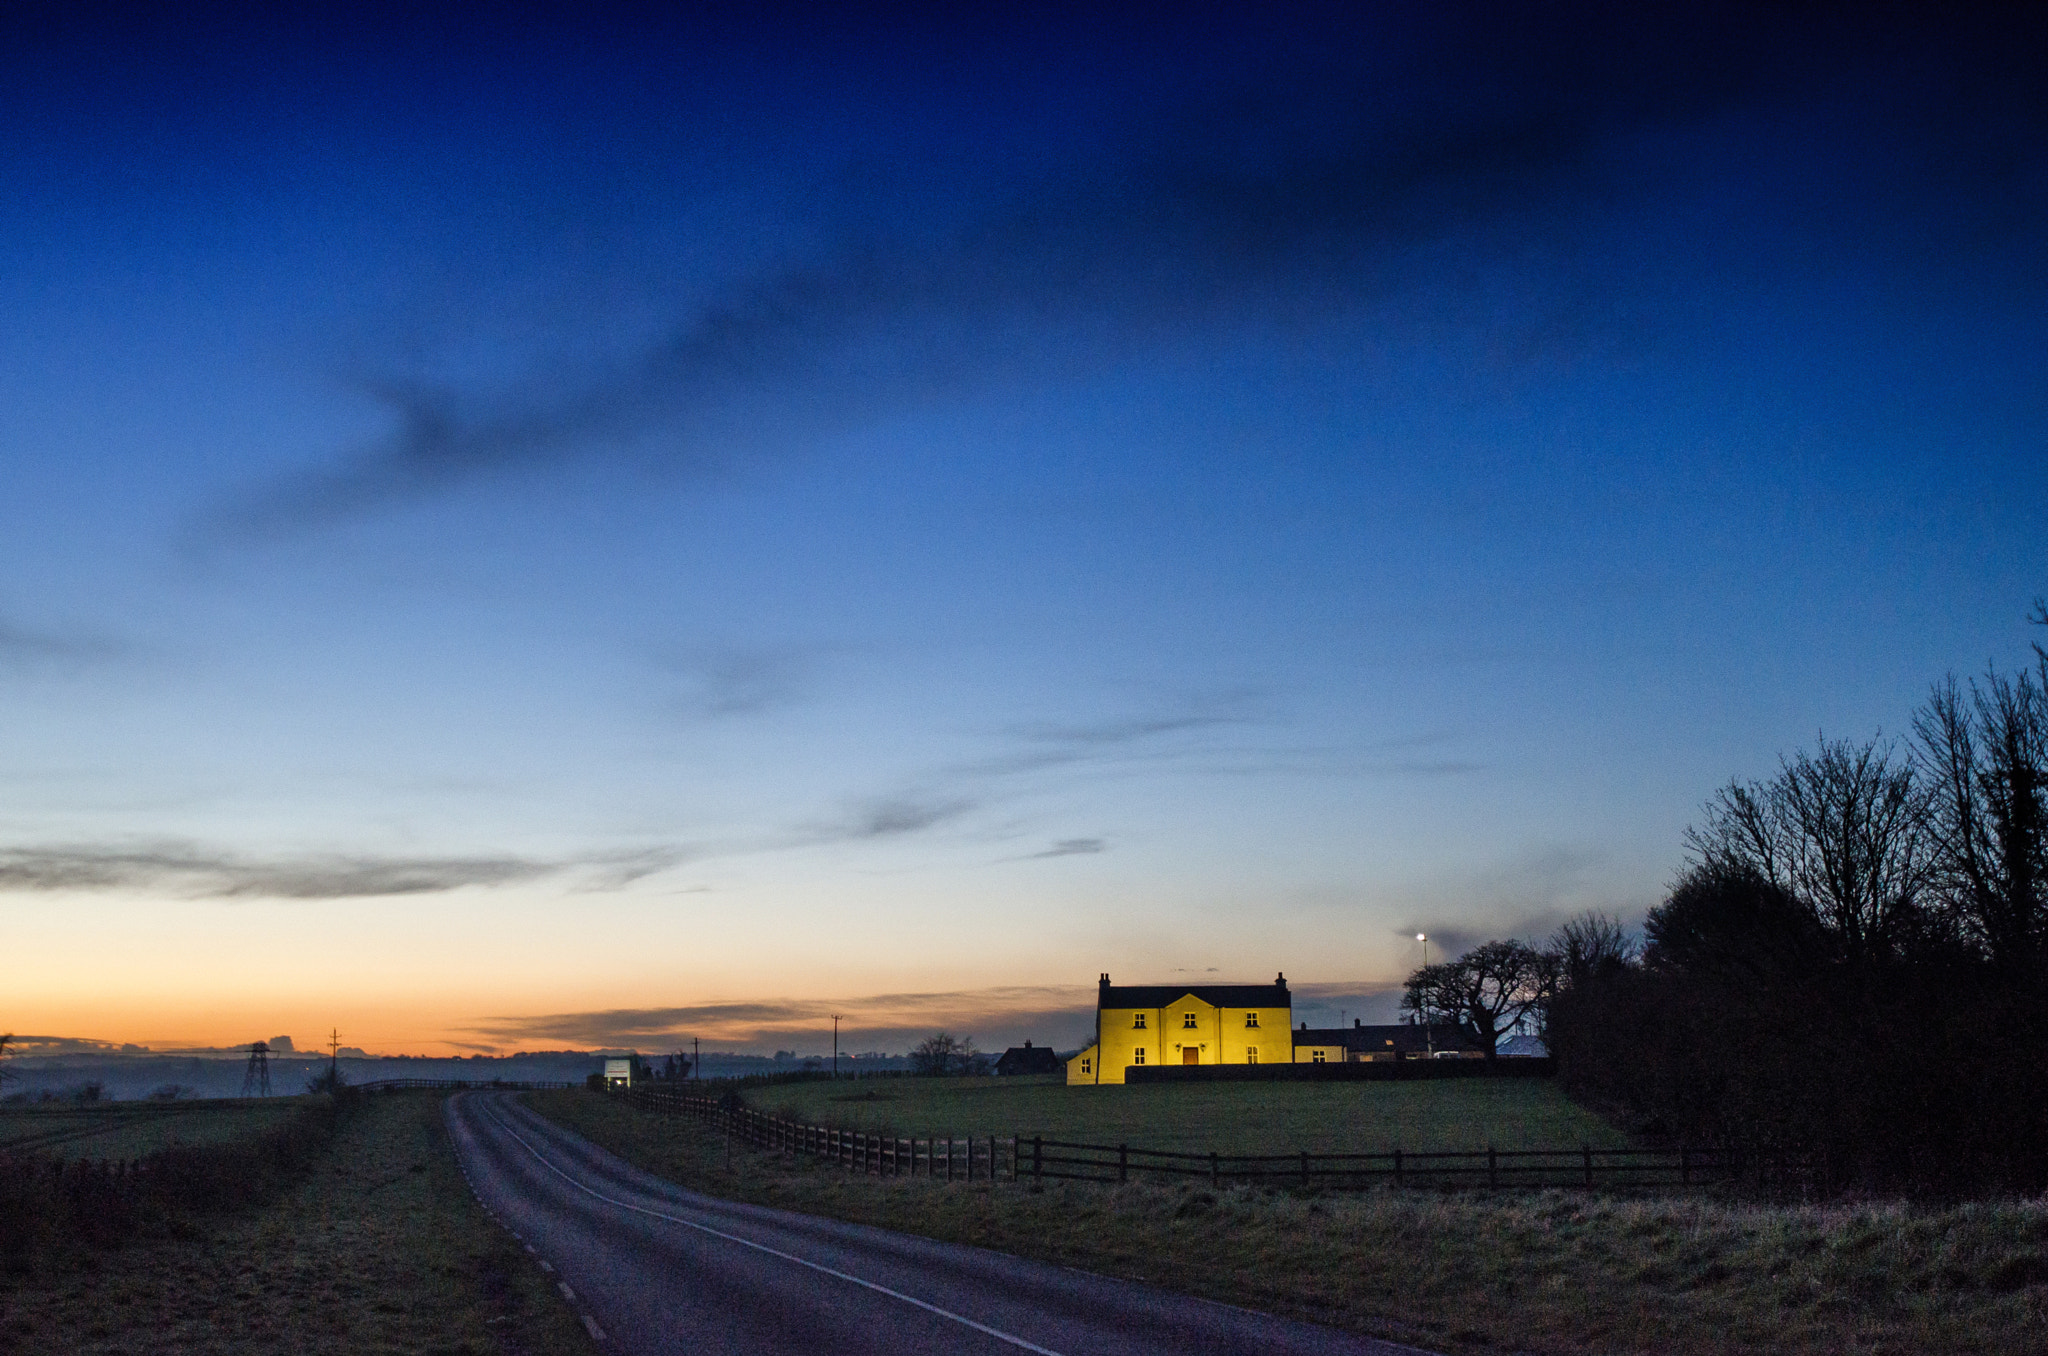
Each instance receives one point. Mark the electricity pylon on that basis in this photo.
(256, 1079)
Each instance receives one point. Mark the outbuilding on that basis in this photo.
(1028, 1059)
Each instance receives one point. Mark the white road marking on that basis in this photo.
(961, 1319)
(596, 1333)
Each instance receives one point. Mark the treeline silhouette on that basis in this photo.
(1847, 974)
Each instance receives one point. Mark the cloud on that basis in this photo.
(1067, 847)
(875, 1021)
(199, 873)
(1299, 183)
(747, 682)
(25, 649)
(1525, 894)
(894, 816)
(617, 870)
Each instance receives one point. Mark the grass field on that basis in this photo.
(1451, 1114)
(1555, 1272)
(379, 1248)
(122, 1130)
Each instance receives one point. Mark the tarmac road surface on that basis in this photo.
(657, 1269)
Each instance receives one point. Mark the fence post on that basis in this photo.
(1492, 1168)
(1215, 1170)
(1586, 1150)
(970, 1158)
(1397, 1167)
(1304, 1167)
(1038, 1158)
(1123, 1162)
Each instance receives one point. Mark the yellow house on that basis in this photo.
(1139, 1025)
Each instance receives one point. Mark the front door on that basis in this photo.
(1190, 1055)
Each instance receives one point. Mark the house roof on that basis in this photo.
(1272, 995)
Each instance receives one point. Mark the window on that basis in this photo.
(1138, 1055)
(1251, 1019)
(1317, 1057)
(1187, 1020)
(1085, 1070)
(1138, 1022)
(1251, 1054)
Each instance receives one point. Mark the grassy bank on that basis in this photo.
(127, 1130)
(377, 1247)
(1508, 1113)
(1551, 1272)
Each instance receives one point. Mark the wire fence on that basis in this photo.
(1037, 1158)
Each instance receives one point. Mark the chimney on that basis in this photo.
(1358, 1021)
(1105, 979)
(1280, 980)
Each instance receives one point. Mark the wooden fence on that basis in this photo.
(1584, 1166)
(1036, 1158)
(955, 1158)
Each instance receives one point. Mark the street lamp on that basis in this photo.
(1428, 1036)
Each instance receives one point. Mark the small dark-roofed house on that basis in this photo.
(1359, 1043)
(1028, 1059)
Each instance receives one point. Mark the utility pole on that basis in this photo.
(696, 1059)
(334, 1057)
(835, 1045)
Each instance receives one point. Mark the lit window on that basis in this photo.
(1138, 1056)
(1251, 1054)
(1187, 1020)
(1138, 1022)
(1251, 1019)
(1317, 1057)
(1084, 1067)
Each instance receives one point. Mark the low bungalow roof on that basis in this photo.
(1400, 1039)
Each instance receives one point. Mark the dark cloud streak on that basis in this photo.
(192, 871)
(1296, 185)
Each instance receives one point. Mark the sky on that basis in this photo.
(597, 525)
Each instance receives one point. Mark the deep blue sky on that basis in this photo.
(609, 525)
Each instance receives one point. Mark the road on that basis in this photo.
(657, 1269)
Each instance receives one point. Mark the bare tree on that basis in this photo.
(1843, 830)
(1484, 992)
(945, 1054)
(1588, 944)
(1985, 756)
